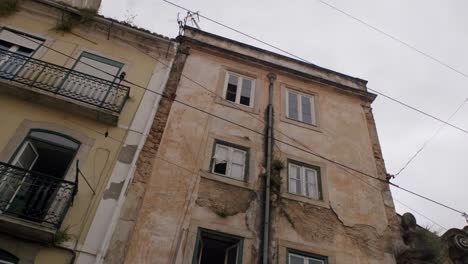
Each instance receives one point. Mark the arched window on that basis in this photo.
(43, 159)
(46, 152)
(7, 258)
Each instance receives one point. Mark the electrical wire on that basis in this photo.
(429, 139)
(260, 133)
(422, 215)
(425, 54)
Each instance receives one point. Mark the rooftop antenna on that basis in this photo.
(192, 17)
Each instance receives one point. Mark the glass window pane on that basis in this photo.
(5, 45)
(311, 184)
(292, 106)
(27, 158)
(246, 92)
(55, 139)
(220, 159)
(237, 171)
(231, 255)
(231, 90)
(306, 109)
(238, 157)
(315, 261)
(294, 259)
(97, 68)
(294, 179)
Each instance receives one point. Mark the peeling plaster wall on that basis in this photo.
(354, 224)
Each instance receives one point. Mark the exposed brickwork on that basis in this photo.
(144, 166)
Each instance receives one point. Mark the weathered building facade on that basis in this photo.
(199, 192)
(76, 91)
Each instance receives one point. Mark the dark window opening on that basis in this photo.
(231, 92)
(220, 168)
(7, 257)
(215, 248)
(47, 156)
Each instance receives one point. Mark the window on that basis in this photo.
(46, 155)
(296, 257)
(13, 42)
(98, 66)
(229, 160)
(300, 107)
(7, 258)
(304, 180)
(213, 247)
(239, 89)
(18, 42)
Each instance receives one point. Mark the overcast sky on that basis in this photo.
(329, 39)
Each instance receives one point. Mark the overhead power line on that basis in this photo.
(404, 43)
(429, 139)
(306, 150)
(305, 60)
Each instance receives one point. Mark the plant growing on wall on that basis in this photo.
(8, 7)
(275, 179)
(62, 236)
(70, 20)
(223, 213)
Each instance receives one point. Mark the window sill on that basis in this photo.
(226, 180)
(301, 124)
(304, 199)
(252, 110)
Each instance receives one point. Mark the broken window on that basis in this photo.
(216, 248)
(239, 89)
(229, 161)
(296, 257)
(300, 107)
(304, 180)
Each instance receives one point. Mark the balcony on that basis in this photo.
(61, 87)
(32, 204)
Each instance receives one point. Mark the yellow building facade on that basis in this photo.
(76, 92)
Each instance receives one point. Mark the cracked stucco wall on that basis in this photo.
(355, 223)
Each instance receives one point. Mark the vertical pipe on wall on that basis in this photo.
(269, 148)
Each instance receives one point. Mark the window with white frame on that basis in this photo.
(304, 180)
(239, 89)
(229, 161)
(300, 107)
(302, 258)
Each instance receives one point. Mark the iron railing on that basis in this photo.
(34, 196)
(63, 81)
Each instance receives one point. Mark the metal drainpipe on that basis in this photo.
(269, 140)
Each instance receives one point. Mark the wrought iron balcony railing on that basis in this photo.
(63, 81)
(34, 196)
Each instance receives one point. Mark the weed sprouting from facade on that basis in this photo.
(69, 21)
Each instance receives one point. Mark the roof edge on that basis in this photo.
(312, 66)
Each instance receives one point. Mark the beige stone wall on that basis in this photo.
(354, 224)
(117, 43)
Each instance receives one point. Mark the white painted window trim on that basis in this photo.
(302, 179)
(229, 162)
(306, 259)
(299, 106)
(239, 88)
